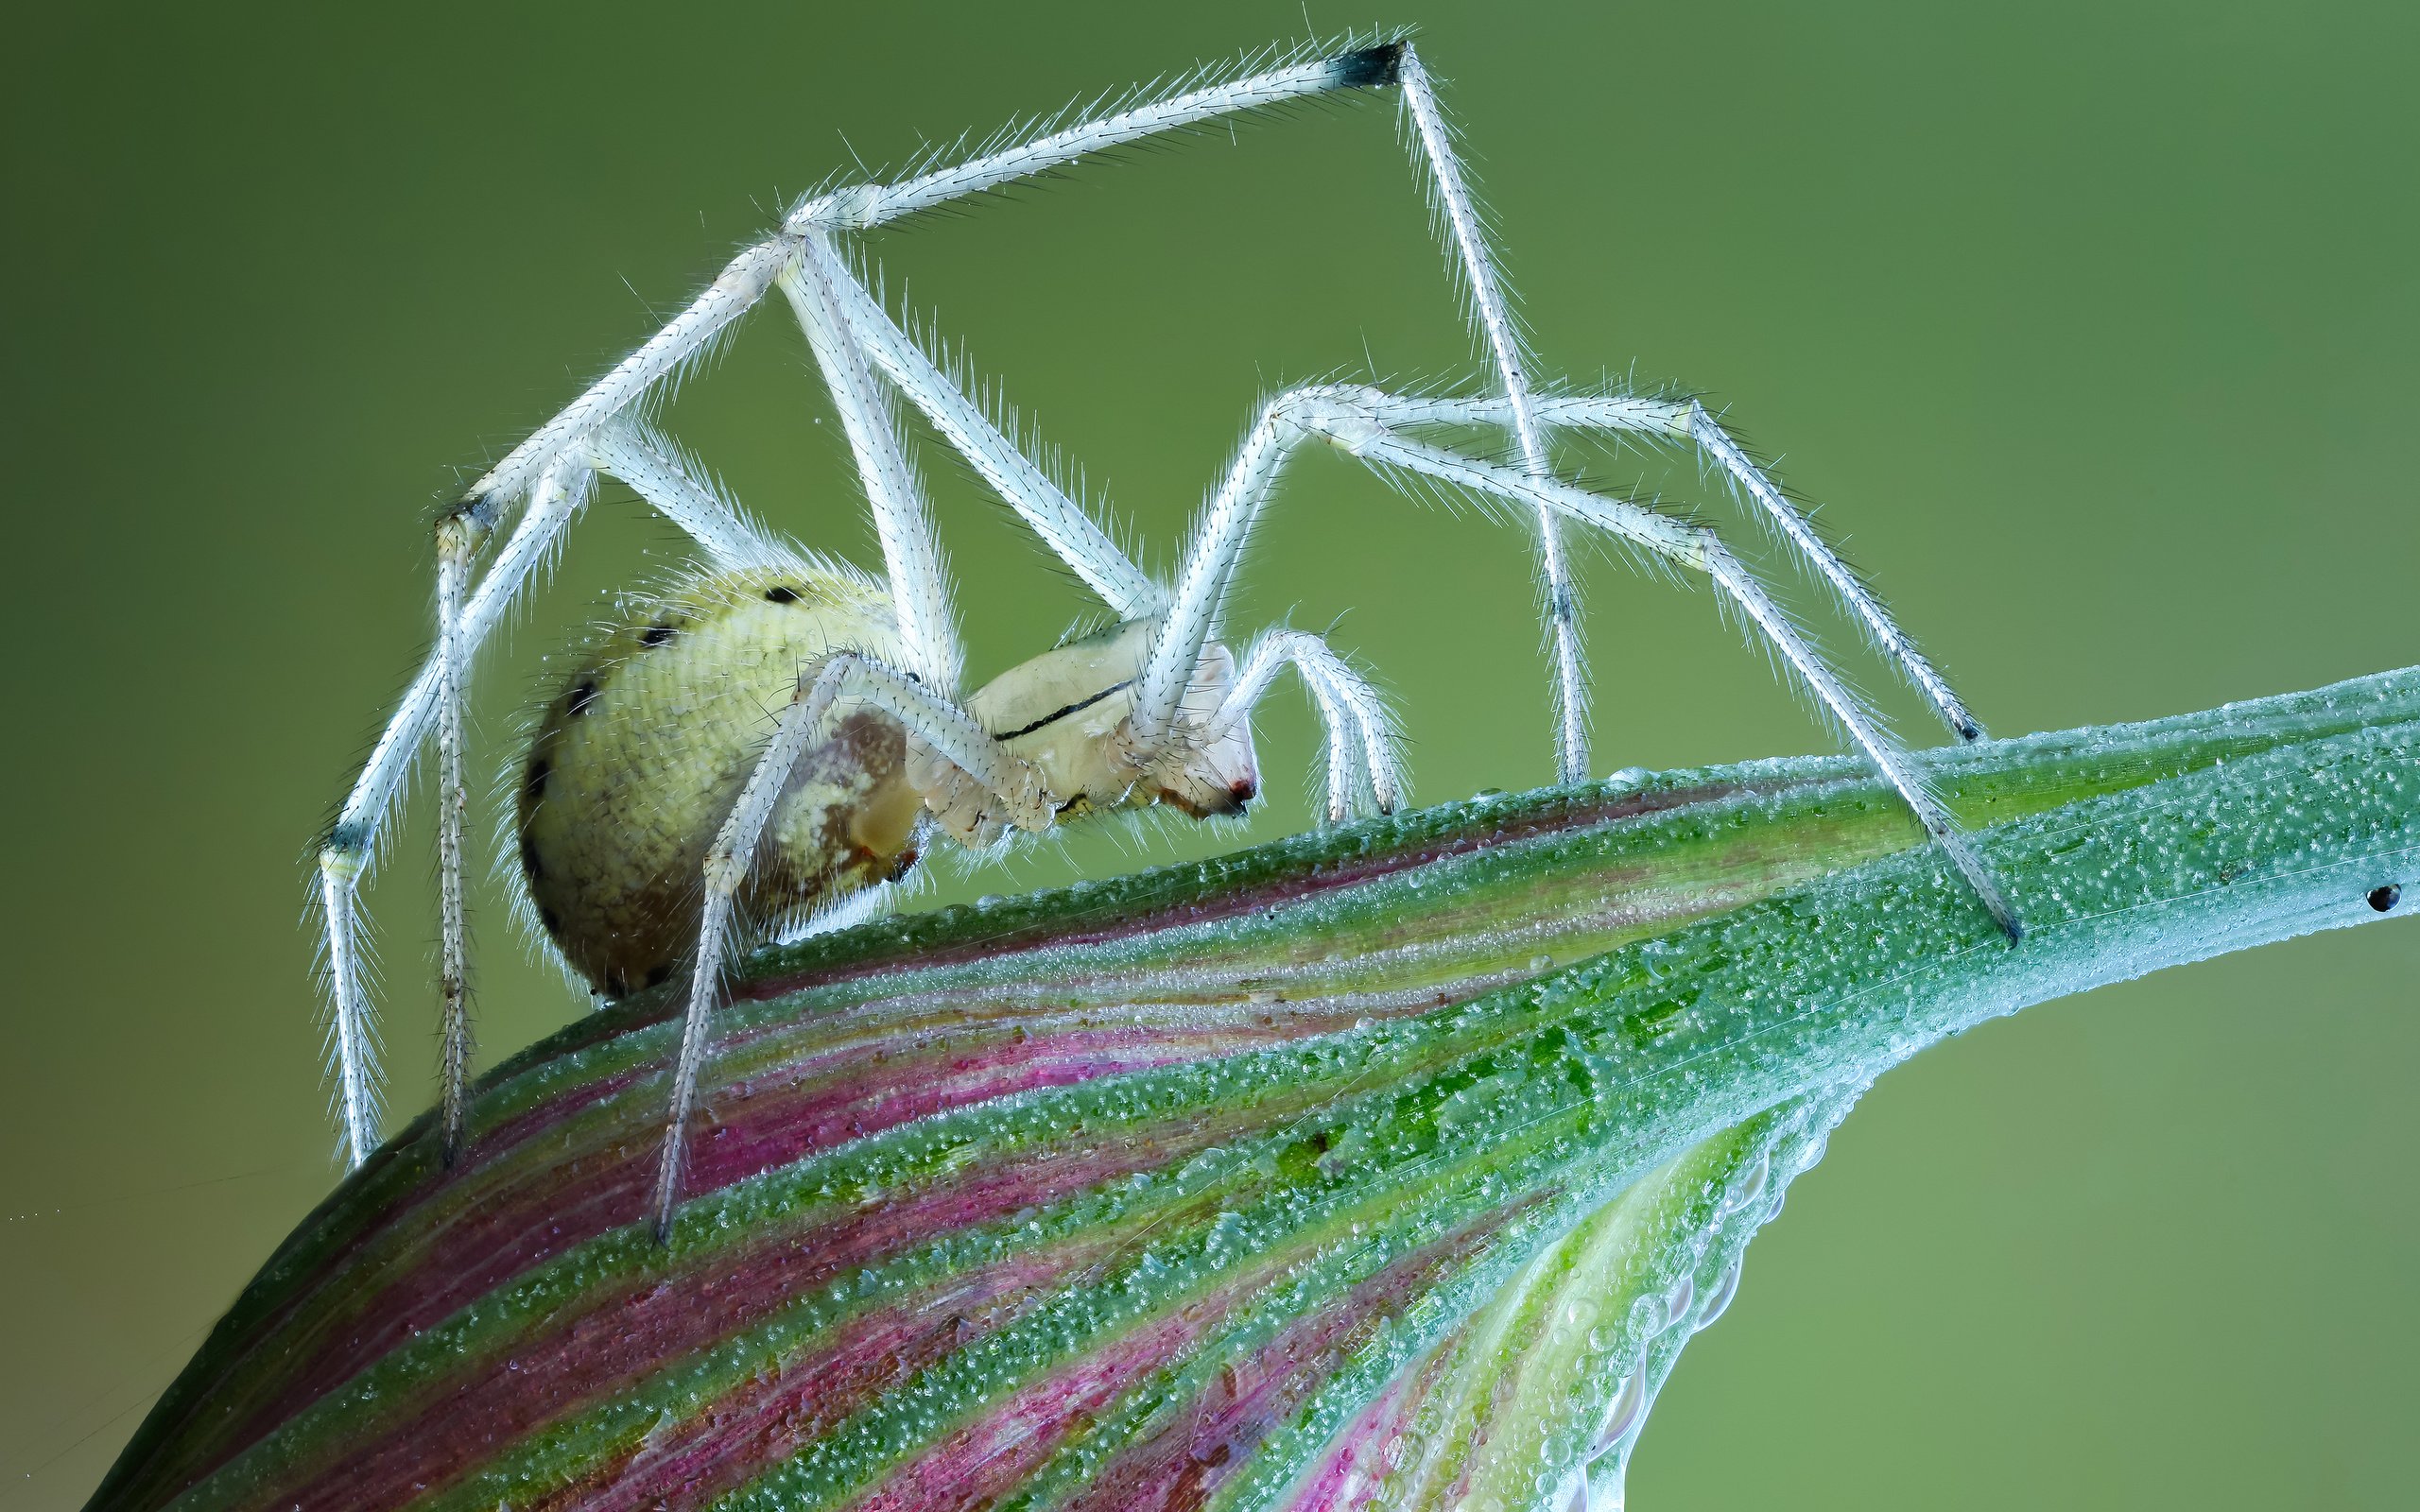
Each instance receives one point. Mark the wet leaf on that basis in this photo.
(1389, 1165)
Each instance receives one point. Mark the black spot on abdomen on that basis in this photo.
(575, 702)
(781, 595)
(655, 635)
(533, 782)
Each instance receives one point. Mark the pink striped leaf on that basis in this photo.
(1388, 1166)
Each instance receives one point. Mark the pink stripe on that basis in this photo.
(629, 1330)
(1545, 820)
(1178, 1468)
(459, 1256)
(767, 1421)
(1356, 1461)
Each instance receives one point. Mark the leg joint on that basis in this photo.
(462, 529)
(345, 853)
(1343, 415)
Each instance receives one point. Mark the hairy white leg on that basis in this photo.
(1061, 522)
(863, 206)
(1348, 416)
(748, 276)
(730, 296)
(1360, 734)
(1334, 414)
(454, 542)
(652, 467)
(911, 559)
(658, 471)
(1344, 772)
(357, 1060)
(346, 854)
(1457, 210)
(939, 723)
(1800, 532)
(1353, 709)
(1686, 420)
(1201, 581)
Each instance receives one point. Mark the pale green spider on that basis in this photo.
(780, 703)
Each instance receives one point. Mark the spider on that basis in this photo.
(779, 703)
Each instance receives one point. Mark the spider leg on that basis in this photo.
(1005, 781)
(1697, 547)
(1360, 736)
(860, 207)
(1349, 418)
(863, 206)
(1459, 213)
(911, 558)
(346, 854)
(454, 543)
(657, 472)
(733, 293)
(1352, 713)
(431, 705)
(1062, 524)
(1687, 421)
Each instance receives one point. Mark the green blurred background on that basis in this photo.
(2094, 326)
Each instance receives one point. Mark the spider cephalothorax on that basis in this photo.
(775, 736)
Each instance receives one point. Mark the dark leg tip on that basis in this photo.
(1968, 729)
(1378, 67)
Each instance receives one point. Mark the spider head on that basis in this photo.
(1066, 712)
(1207, 770)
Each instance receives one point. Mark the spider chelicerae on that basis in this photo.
(776, 737)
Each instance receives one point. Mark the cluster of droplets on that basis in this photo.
(1590, 1479)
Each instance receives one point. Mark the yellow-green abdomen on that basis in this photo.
(641, 757)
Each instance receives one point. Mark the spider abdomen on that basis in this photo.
(641, 756)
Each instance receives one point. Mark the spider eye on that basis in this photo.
(2383, 898)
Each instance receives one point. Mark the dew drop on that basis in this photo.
(1678, 1302)
(1724, 1290)
(1621, 1414)
(1751, 1189)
